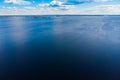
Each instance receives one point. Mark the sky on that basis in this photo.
(62, 7)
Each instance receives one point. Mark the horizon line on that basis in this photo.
(63, 15)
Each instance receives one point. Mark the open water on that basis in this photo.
(60, 47)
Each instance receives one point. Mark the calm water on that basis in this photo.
(60, 48)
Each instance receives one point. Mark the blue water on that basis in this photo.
(60, 47)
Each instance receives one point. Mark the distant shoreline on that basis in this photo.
(63, 15)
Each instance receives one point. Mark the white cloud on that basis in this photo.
(104, 9)
(53, 3)
(57, 5)
(102, 0)
(19, 2)
(44, 5)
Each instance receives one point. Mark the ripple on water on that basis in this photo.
(108, 27)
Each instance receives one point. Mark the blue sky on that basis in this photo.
(37, 7)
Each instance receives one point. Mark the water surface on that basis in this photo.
(59, 47)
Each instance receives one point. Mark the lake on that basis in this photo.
(60, 47)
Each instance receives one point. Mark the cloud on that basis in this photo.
(18, 2)
(53, 3)
(56, 4)
(102, 0)
(103, 9)
(60, 7)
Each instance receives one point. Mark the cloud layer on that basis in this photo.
(60, 7)
(19, 2)
(58, 2)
